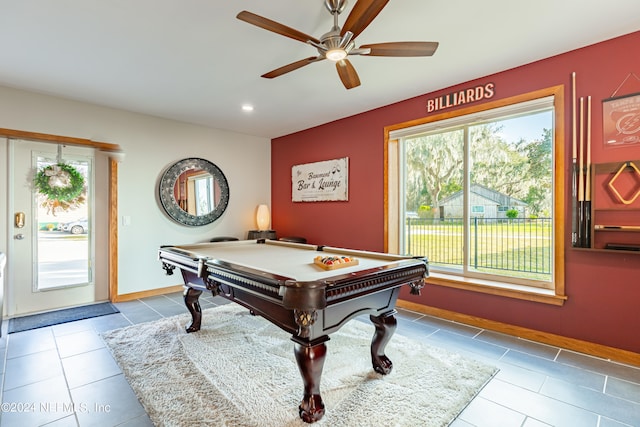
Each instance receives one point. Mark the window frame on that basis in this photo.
(393, 197)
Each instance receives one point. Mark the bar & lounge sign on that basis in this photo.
(320, 181)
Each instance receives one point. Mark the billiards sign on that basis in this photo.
(320, 181)
(461, 97)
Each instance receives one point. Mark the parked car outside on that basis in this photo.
(79, 226)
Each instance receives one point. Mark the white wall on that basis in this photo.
(151, 145)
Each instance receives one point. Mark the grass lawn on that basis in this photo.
(518, 248)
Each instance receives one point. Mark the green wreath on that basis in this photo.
(59, 182)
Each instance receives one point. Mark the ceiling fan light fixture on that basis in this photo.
(339, 43)
(336, 54)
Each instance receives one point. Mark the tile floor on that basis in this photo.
(64, 375)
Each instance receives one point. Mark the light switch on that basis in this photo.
(126, 220)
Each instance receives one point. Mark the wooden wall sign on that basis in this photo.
(320, 181)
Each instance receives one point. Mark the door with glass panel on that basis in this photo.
(51, 245)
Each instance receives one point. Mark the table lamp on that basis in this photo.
(263, 219)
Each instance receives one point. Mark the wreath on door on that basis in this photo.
(62, 185)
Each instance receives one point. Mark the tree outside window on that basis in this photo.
(484, 196)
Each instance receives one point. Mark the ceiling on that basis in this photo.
(193, 61)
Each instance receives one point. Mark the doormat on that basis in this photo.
(35, 321)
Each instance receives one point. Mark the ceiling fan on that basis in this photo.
(339, 43)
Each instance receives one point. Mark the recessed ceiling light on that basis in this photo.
(247, 107)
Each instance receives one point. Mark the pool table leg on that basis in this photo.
(310, 358)
(385, 327)
(191, 297)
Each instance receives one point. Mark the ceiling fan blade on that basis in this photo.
(362, 14)
(347, 74)
(269, 25)
(401, 49)
(291, 67)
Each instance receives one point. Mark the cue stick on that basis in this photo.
(581, 181)
(617, 227)
(574, 172)
(587, 191)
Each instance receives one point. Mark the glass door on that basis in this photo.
(52, 245)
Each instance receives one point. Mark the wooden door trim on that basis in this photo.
(113, 188)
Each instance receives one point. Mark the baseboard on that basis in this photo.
(146, 294)
(579, 346)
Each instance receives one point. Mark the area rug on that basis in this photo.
(35, 321)
(239, 370)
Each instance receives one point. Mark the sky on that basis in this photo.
(527, 127)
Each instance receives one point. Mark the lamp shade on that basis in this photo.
(262, 217)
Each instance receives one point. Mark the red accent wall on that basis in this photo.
(603, 289)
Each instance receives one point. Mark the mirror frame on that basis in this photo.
(170, 204)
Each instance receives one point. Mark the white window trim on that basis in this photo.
(478, 114)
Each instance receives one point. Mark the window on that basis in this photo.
(486, 183)
(63, 240)
(204, 194)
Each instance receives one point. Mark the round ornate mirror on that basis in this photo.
(194, 192)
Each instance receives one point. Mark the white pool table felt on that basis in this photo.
(283, 259)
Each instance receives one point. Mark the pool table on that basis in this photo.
(281, 282)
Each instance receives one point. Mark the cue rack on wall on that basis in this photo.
(616, 206)
(606, 196)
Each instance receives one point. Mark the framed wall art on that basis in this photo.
(621, 116)
(621, 120)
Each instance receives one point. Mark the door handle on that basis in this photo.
(19, 219)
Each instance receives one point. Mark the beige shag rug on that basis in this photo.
(239, 370)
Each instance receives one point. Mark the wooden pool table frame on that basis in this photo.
(309, 310)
